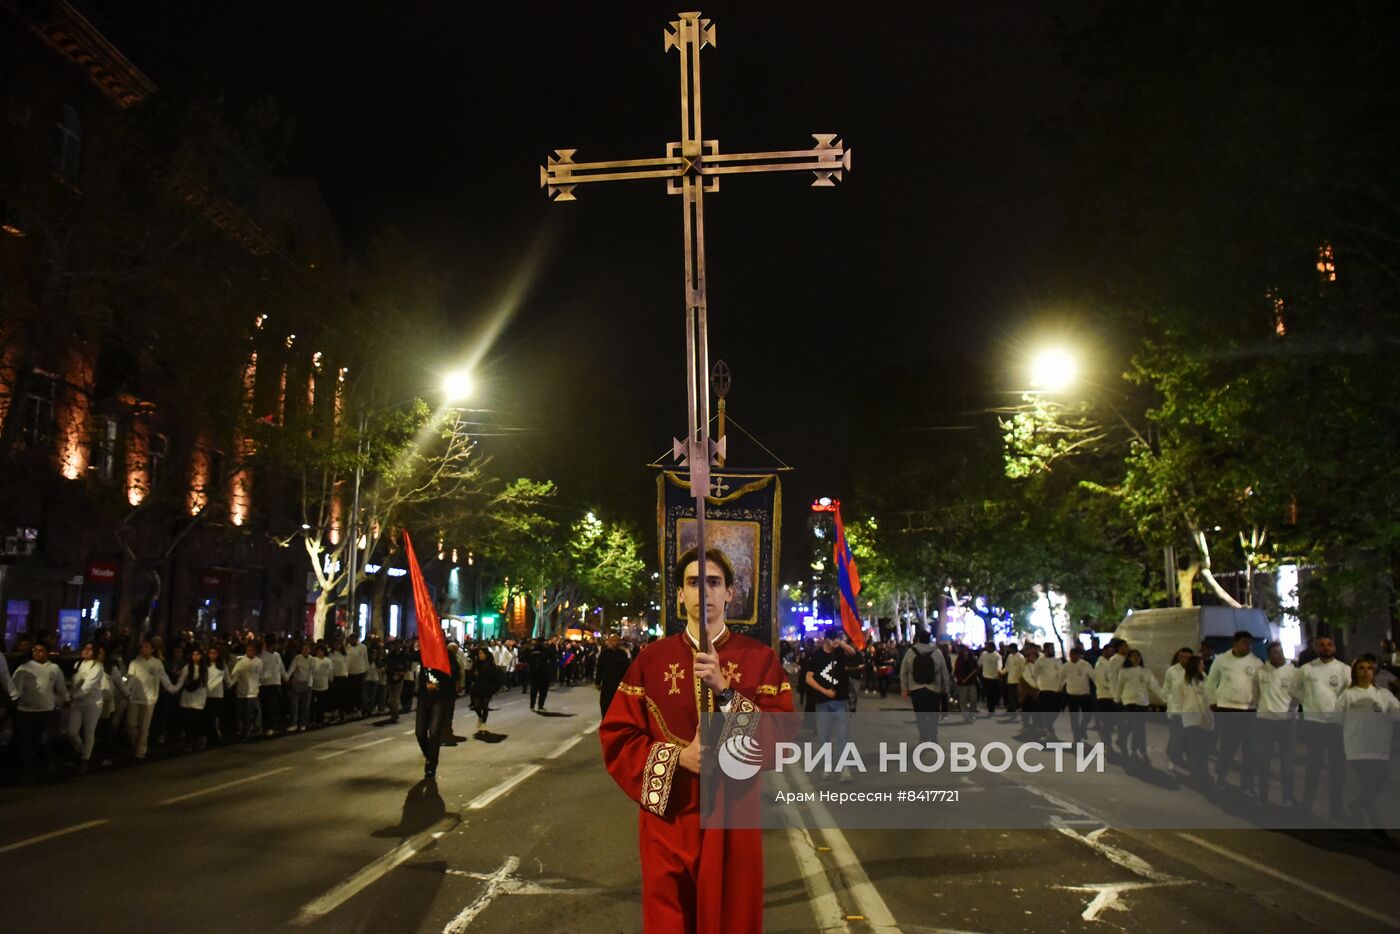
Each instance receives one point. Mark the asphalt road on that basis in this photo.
(334, 831)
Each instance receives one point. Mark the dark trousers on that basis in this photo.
(249, 717)
(539, 690)
(1010, 695)
(430, 726)
(1134, 735)
(1048, 704)
(270, 700)
(34, 733)
(1236, 735)
(194, 726)
(605, 696)
(481, 706)
(355, 692)
(991, 690)
(214, 719)
(1371, 774)
(1079, 706)
(1176, 741)
(1106, 721)
(926, 703)
(1197, 742)
(1323, 742)
(1275, 737)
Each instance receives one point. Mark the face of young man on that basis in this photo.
(717, 593)
(1325, 648)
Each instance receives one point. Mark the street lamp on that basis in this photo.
(457, 385)
(1053, 370)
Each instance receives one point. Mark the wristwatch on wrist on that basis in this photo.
(724, 698)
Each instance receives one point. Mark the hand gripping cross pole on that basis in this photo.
(691, 169)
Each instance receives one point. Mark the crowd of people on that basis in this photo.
(117, 699)
(1245, 714)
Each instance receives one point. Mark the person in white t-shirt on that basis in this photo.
(320, 685)
(1320, 683)
(1233, 694)
(1013, 664)
(1276, 685)
(1050, 684)
(990, 664)
(246, 678)
(1368, 717)
(1077, 676)
(1197, 721)
(1138, 690)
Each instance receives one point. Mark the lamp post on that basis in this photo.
(1053, 369)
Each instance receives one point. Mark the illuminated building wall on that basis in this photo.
(200, 469)
(71, 413)
(138, 461)
(9, 362)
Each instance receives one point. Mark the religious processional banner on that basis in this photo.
(743, 519)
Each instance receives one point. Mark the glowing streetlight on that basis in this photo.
(1053, 369)
(457, 385)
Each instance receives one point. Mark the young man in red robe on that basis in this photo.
(694, 879)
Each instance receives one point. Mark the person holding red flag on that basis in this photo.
(695, 877)
(437, 673)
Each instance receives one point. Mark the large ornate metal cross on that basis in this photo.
(692, 169)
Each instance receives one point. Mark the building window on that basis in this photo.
(37, 423)
(159, 451)
(107, 448)
(70, 144)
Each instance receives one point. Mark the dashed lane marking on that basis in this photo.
(52, 834)
(341, 752)
(233, 784)
(485, 798)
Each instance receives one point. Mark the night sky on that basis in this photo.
(854, 319)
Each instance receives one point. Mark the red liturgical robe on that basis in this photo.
(694, 878)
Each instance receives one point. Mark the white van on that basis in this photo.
(1157, 634)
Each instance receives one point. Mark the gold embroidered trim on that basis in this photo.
(657, 775)
(655, 712)
(741, 720)
(635, 690)
(774, 689)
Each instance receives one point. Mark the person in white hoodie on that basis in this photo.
(145, 676)
(1233, 689)
(89, 690)
(356, 666)
(1321, 682)
(320, 685)
(1197, 721)
(40, 691)
(1368, 717)
(1138, 689)
(1077, 677)
(1176, 737)
(1277, 689)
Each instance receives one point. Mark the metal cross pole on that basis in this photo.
(692, 169)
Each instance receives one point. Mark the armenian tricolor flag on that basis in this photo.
(848, 585)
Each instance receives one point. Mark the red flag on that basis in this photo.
(848, 585)
(432, 647)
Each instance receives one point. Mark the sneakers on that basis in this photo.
(480, 724)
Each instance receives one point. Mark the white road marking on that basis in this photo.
(485, 798)
(825, 908)
(1106, 895)
(869, 904)
(565, 746)
(504, 882)
(341, 752)
(468, 914)
(51, 835)
(1388, 920)
(233, 784)
(314, 910)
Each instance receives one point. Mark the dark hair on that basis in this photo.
(711, 554)
(833, 632)
(1128, 659)
(1184, 648)
(1274, 645)
(1241, 634)
(1075, 649)
(1195, 668)
(921, 636)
